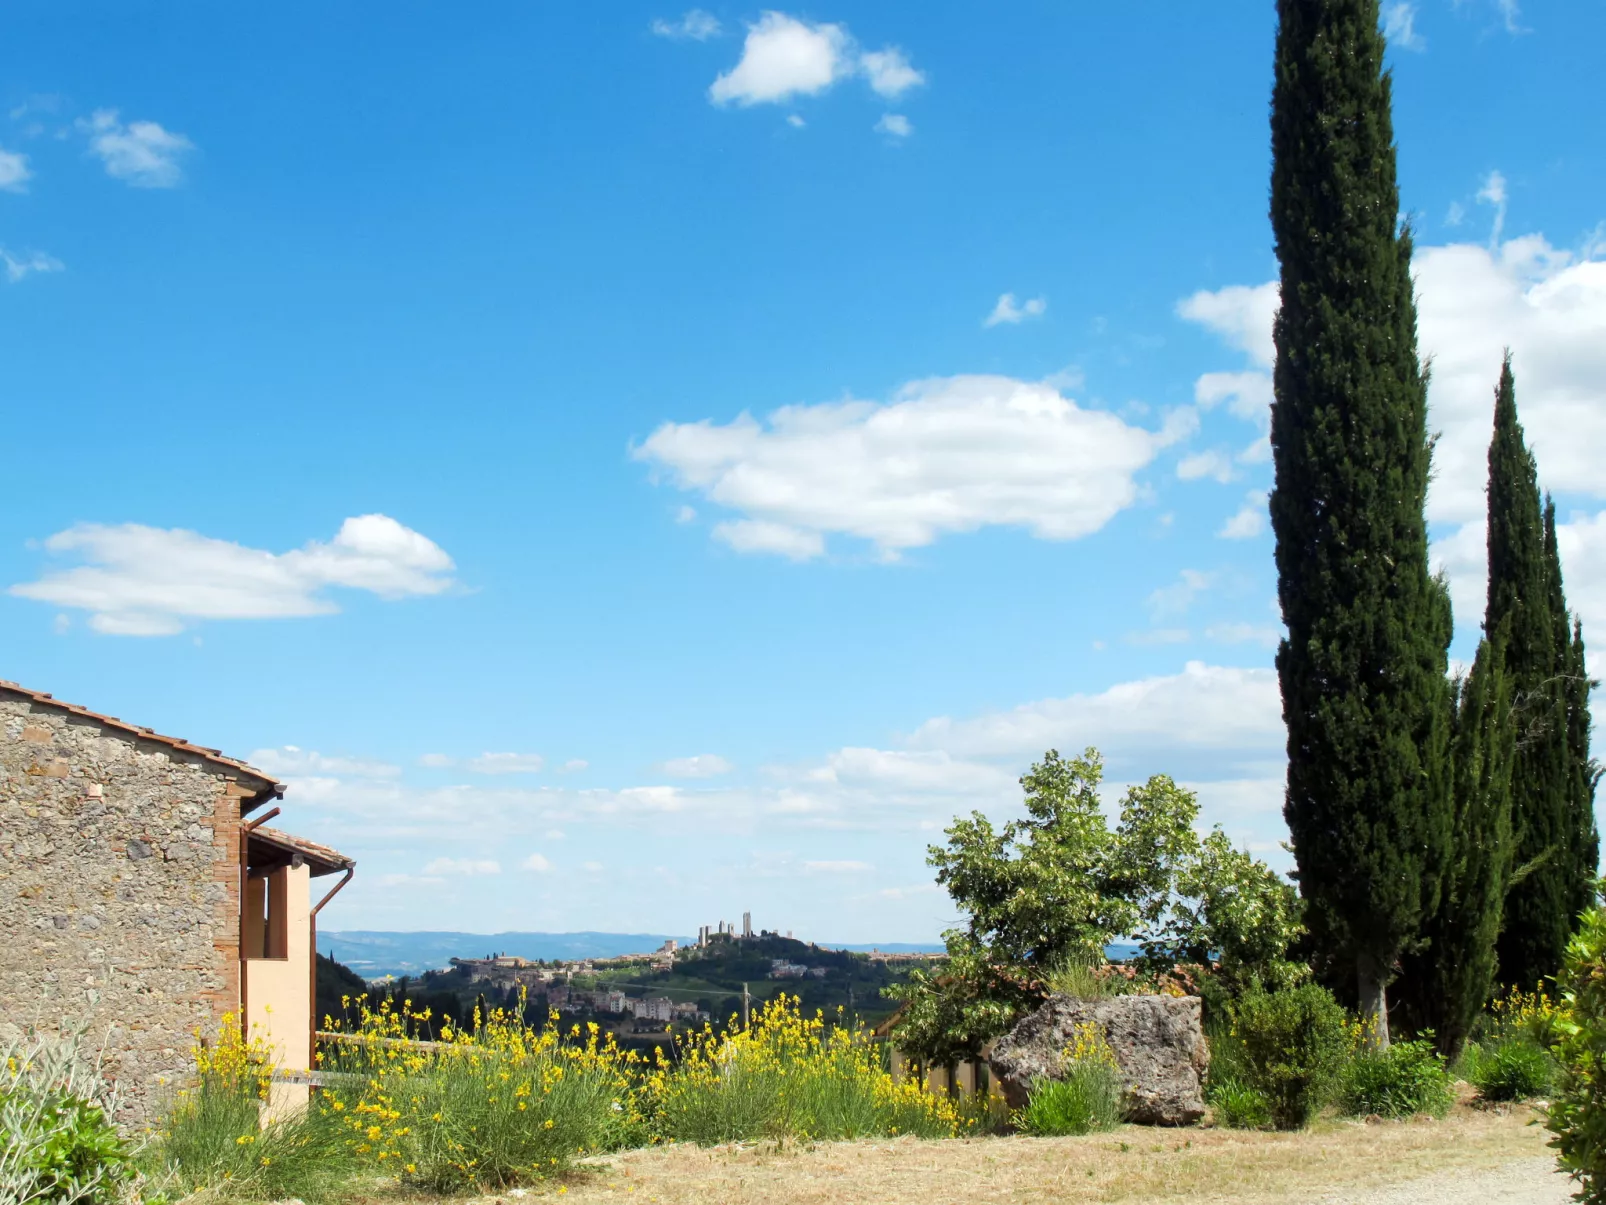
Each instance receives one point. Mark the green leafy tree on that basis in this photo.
(1232, 908)
(1054, 888)
(1362, 670)
(1577, 1114)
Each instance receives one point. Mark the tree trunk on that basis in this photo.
(1374, 1001)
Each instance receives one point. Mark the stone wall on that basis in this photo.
(119, 892)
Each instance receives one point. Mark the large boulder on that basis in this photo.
(1158, 1043)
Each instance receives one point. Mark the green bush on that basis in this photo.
(1577, 1115)
(1294, 1046)
(57, 1143)
(1088, 1098)
(1405, 1079)
(214, 1139)
(1238, 1106)
(1515, 1069)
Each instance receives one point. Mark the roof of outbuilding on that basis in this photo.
(324, 860)
(271, 788)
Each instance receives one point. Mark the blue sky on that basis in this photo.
(624, 465)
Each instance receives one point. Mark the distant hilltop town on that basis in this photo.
(556, 980)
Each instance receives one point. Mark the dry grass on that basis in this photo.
(1132, 1164)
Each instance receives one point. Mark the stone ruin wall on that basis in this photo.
(119, 895)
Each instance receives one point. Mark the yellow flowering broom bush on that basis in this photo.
(502, 1104)
(216, 1136)
(785, 1076)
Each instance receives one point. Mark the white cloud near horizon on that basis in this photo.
(505, 763)
(536, 862)
(150, 581)
(20, 266)
(141, 153)
(945, 455)
(1009, 312)
(694, 25)
(463, 866)
(14, 171)
(289, 760)
(702, 765)
(784, 57)
(894, 125)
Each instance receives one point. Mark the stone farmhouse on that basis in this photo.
(142, 897)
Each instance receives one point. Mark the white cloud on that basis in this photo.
(1249, 521)
(1547, 305)
(593, 867)
(1247, 394)
(896, 125)
(463, 866)
(703, 765)
(1009, 311)
(141, 152)
(1214, 464)
(783, 57)
(696, 25)
(1240, 314)
(1582, 544)
(19, 266)
(1245, 633)
(1180, 595)
(1493, 193)
(1203, 707)
(909, 770)
(889, 72)
(947, 455)
(293, 762)
(761, 535)
(838, 867)
(685, 514)
(796, 122)
(14, 172)
(573, 766)
(506, 763)
(1399, 26)
(150, 581)
(537, 863)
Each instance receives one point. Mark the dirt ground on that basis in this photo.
(1491, 1158)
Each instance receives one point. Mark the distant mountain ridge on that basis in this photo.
(374, 954)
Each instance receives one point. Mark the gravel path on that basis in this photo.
(1520, 1182)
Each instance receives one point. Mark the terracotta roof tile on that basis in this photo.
(270, 787)
(331, 860)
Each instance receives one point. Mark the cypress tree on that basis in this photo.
(1362, 670)
(1526, 603)
(1580, 842)
(1449, 977)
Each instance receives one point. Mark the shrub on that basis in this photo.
(1403, 1080)
(1238, 1106)
(214, 1136)
(505, 1104)
(57, 1143)
(1085, 1097)
(1294, 1045)
(787, 1076)
(1514, 1069)
(1577, 1115)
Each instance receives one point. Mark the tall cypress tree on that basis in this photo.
(1449, 976)
(1579, 840)
(1527, 604)
(1362, 669)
